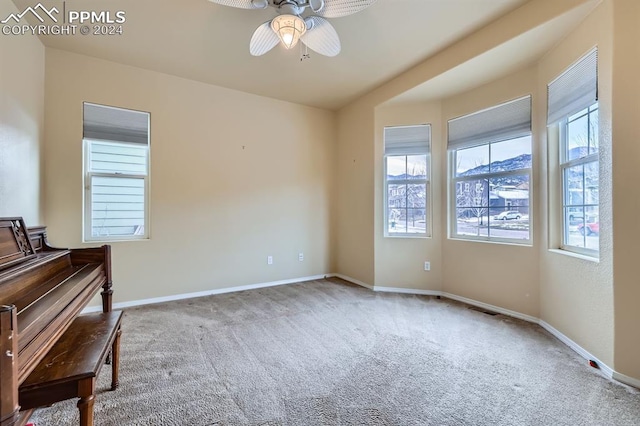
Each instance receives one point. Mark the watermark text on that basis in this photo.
(58, 20)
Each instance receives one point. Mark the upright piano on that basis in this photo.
(42, 290)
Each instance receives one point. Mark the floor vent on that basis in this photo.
(474, 308)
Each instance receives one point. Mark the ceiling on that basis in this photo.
(206, 42)
(500, 61)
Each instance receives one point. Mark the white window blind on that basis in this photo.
(509, 120)
(115, 124)
(574, 90)
(407, 140)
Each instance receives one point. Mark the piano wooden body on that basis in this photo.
(42, 290)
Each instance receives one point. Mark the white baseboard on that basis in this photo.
(388, 289)
(626, 379)
(493, 308)
(606, 370)
(140, 302)
(352, 280)
(407, 291)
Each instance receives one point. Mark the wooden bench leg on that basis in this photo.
(115, 362)
(86, 392)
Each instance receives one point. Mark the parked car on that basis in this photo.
(575, 213)
(589, 228)
(508, 215)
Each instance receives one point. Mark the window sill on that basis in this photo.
(526, 243)
(409, 236)
(575, 255)
(120, 240)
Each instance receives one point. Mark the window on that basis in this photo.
(406, 161)
(573, 113)
(116, 173)
(490, 154)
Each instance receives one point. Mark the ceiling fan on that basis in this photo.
(290, 26)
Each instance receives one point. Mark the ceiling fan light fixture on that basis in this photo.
(289, 29)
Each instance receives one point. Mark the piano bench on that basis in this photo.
(70, 368)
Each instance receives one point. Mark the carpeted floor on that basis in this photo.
(330, 353)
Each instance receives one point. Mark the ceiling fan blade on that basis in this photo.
(263, 40)
(243, 4)
(339, 8)
(321, 36)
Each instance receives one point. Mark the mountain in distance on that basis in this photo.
(406, 176)
(522, 161)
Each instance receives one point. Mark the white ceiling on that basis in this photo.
(497, 62)
(203, 41)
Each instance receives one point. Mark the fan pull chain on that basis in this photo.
(304, 52)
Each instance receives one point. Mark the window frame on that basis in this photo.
(570, 93)
(565, 164)
(467, 180)
(427, 208)
(89, 174)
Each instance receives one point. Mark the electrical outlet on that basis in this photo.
(269, 260)
(300, 256)
(427, 266)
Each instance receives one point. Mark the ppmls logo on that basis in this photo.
(69, 22)
(34, 11)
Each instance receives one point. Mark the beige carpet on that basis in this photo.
(330, 353)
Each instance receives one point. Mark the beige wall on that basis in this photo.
(21, 123)
(504, 275)
(399, 261)
(354, 238)
(570, 293)
(577, 294)
(626, 194)
(234, 178)
(224, 195)
(356, 205)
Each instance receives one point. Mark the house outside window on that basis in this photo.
(573, 113)
(116, 173)
(490, 173)
(406, 171)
